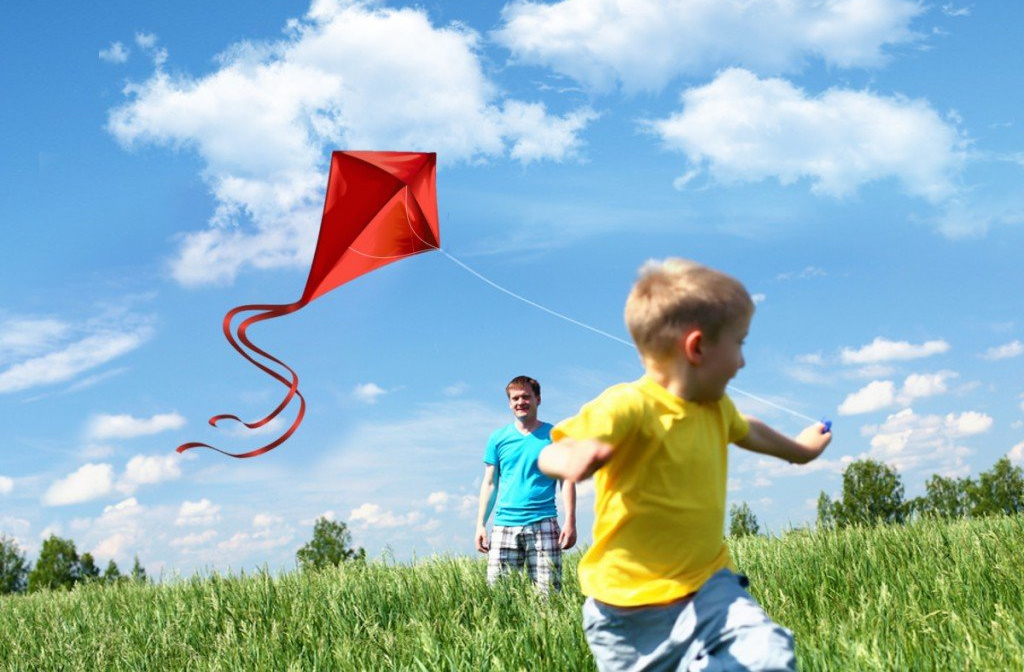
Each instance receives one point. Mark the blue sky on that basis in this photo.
(856, 164)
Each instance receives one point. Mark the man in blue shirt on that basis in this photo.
(526, 531)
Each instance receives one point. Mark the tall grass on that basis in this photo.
(930, 595)
(925, 596)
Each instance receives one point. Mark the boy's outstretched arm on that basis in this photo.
(805, 447)
(572, 459)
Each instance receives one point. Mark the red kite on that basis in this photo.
(380, 207)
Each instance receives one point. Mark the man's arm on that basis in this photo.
(567, 539)
(805, 447)
(572, 459)
(488, 490)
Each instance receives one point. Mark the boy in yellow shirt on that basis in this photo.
(660, 584)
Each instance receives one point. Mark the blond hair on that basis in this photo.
(673, 295)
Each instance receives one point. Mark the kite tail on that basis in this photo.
(266, 312)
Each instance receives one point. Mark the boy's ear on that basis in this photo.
(693, 343)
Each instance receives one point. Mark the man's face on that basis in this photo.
(523, 403)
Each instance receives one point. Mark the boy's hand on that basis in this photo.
(815, 438)
(574, 460)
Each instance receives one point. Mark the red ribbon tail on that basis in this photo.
(265, 312)
(258, 451)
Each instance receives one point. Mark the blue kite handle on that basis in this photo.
(828, 426)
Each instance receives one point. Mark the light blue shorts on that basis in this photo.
(721, 627)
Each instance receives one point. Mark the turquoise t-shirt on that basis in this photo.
(525, 495)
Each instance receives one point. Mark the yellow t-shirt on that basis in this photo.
(659, 522)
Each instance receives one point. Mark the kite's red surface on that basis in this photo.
(380, 207)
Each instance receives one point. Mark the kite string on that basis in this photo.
(534, 304)
(606, 334)
(561, 316)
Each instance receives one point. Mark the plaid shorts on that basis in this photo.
(534, 546)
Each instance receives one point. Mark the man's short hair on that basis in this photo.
(523, 383)
(674, 295)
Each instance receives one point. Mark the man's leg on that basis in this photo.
(544, 555)
(505, 554)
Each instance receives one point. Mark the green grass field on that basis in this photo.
(926, 596)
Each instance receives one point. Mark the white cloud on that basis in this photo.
(881, 394)
(538, 137)
(202, 512)
(115, 53)
(1016, 454)
(261, 540)
(146, 470)
(125, 509)
(461, 504)
(874, 396)
(6, 485)
(266, 520)
(368, 392)
(146, 40)
(918, 385)
(1005, 351)
(16, 527)
(88, 482)
(439, 500)
(114, 546)
(95, 379)
(455, 390)
(261, 123)
(971, 214)
(467, 505)
(949, 9)
(806, 274)
(72, 360)
(127, 427)
(120, 530)
(194, 539)
(968, 423)
(744, 129)
(884, 350)
(644, 44)
(26, 336)
(926, 443)
(268, 532)
(371, 515)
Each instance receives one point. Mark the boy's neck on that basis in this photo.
(674, 374)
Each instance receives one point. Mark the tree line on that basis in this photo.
(873, 495)
(59, 567)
